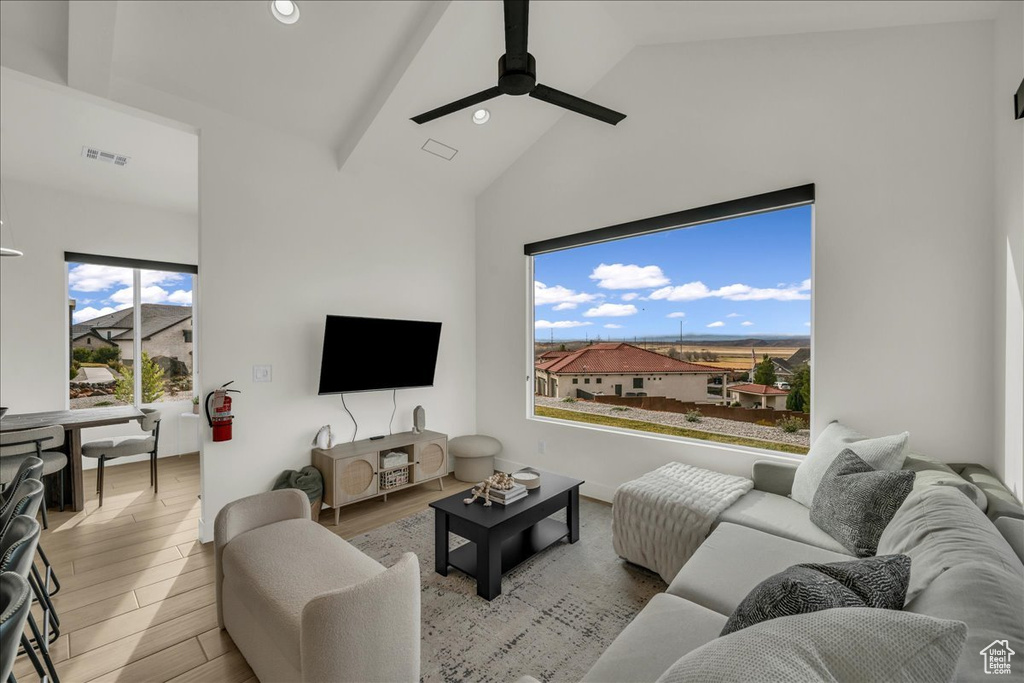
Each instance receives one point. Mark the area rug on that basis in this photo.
(556, 614)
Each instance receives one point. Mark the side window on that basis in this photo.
(638, 382)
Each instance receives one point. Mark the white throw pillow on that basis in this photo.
(841, 644)
(883, 453)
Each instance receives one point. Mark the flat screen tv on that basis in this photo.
(370, 354)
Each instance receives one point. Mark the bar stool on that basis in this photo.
(25, 503)
(30, 468)
(15, 604)
(121, 446)
(15, 447)
(17, 550)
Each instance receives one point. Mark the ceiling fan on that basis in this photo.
(517, 75)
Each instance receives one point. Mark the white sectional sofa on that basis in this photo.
(962, 567)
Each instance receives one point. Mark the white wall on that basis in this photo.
(285, 238)
(1009, 246)
(46, 222)
(893, 126)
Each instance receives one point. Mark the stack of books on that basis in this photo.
(517, 492)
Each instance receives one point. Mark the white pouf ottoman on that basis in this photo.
(474, 456)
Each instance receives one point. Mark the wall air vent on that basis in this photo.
(105, 157)
(439, 149)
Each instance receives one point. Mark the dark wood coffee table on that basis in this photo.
(500, 537)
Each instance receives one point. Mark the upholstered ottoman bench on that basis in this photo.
(474, 456)
(660, 519)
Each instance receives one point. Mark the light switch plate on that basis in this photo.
(262, 373)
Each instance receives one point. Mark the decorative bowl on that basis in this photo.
(528, 477)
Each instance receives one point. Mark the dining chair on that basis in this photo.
(17, 551)
(15, 604)
(106, 450)
(16, 446)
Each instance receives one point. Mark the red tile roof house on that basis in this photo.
(758, 396)
(621, 369)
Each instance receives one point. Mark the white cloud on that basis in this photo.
(676, 314)
(611, 311)
(693, 291)
(180, 296)
(150, 295)
(630, 296)
(746, 323)
(619, 276)
(89, 313)
(717, 323)
(807, 324)
(542, 294)
(613, 326)
(560, 324)
(153, 294)
(733, 315)
(564, 306)
(88, 277)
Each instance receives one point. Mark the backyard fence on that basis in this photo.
(671, 405)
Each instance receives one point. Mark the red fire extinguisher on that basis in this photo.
(221, 417)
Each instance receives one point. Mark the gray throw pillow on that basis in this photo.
(872, 582)
(855, 502)
(882, 453)
(849, 644)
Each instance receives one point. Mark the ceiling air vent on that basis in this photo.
(105, 157)
(439, 149)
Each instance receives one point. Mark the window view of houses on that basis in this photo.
(102, 362)
(701, 332)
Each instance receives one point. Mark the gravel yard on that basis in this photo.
(707, 424)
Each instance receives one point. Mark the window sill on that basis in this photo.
(732, 449)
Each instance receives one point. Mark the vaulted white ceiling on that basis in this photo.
(43, 129)
(349, 75)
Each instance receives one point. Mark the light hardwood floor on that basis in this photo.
(137, 597)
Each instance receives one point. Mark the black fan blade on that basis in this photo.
(573, 103)
(517, 24)
(481, 96)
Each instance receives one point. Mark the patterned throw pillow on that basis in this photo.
(873, 582)
(855, 502)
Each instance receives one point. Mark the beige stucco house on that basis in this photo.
(166, 335)
(758, 396)
(619, 369)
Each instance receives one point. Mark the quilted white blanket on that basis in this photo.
(660, 519)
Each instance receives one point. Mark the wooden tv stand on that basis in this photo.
(354, 471)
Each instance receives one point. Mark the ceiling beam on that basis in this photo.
(91, 26)
(351, 137)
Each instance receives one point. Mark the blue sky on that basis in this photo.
(746, 276)
(99, 290)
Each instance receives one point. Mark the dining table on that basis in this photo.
(73, 422)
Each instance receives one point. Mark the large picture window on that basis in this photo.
(699, 329)
(130, 331)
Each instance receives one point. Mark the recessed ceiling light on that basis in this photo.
(285, 11)
(481, 116)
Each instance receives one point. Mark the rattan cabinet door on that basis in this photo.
(355, 478)
(431, 459)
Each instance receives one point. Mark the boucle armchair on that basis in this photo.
(302, 604)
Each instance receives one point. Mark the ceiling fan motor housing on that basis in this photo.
(515, 77)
